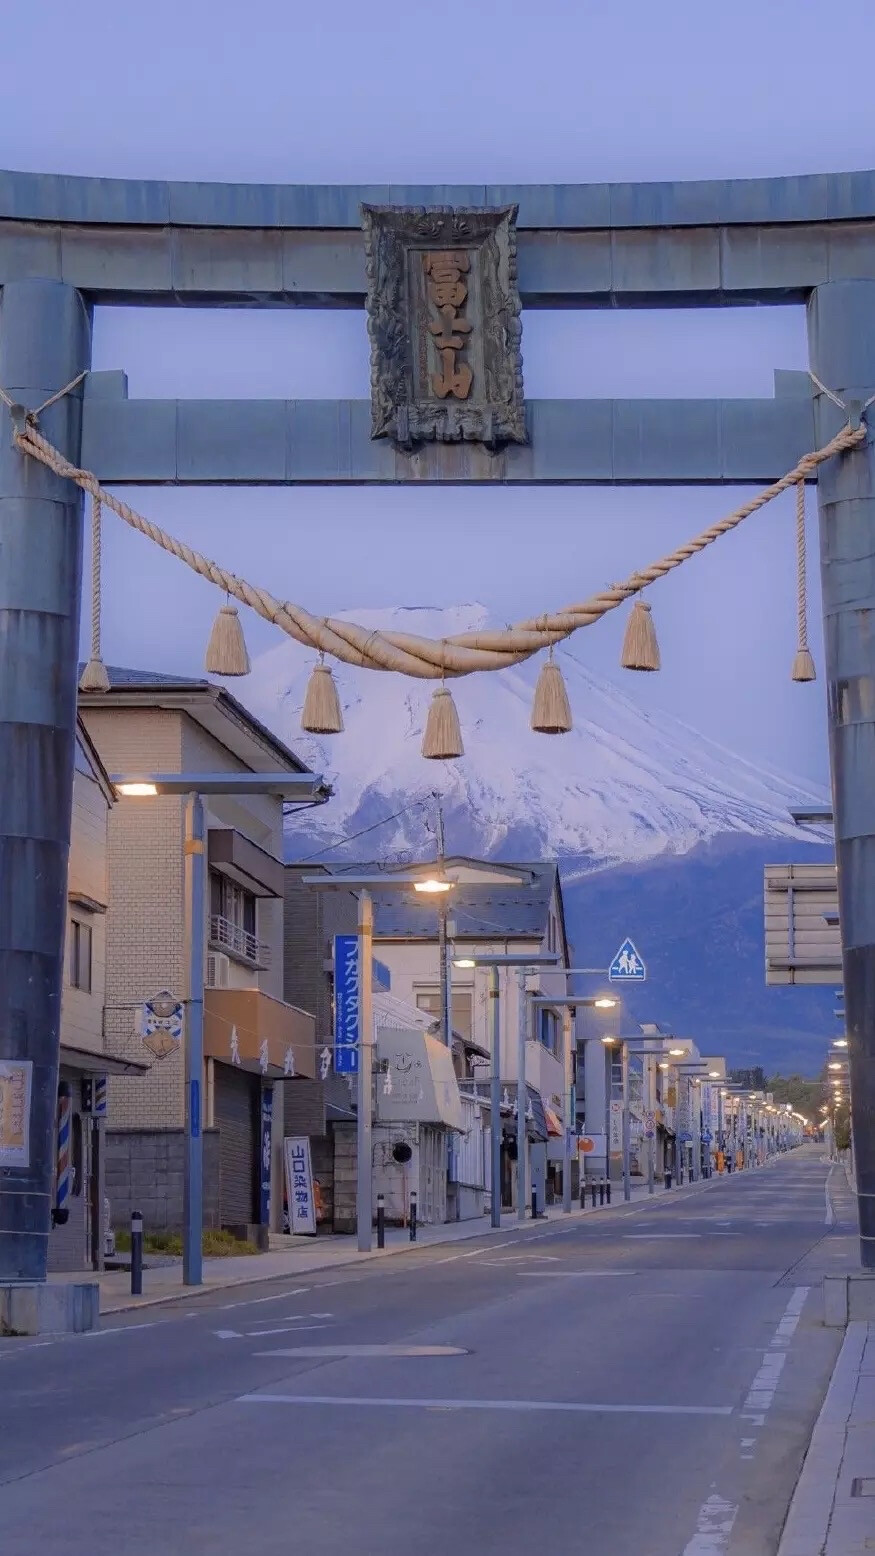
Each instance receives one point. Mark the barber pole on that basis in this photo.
(62, 1179)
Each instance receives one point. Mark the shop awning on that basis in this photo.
(536, 1121)
(251, 1030)
(554, 1123)
(416, 1082)
(91, 1062)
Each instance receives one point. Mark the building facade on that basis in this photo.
(77, 1238)
(253, 1038)
(492, 909)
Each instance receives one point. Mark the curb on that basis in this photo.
(558, 1219)
(806, 1530)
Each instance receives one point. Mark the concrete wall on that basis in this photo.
(144, 1171)
(312, 919)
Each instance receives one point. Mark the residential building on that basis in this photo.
(253, 1038)
(76, 1241)
(492, 909)
(315, 1107)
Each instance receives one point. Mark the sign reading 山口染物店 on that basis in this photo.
(444, 324)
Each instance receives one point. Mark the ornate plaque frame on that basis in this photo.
(484, 404)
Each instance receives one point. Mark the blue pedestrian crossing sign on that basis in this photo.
(627, 966)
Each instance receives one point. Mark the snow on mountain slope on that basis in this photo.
(625, 785)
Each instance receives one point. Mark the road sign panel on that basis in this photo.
(627, 965)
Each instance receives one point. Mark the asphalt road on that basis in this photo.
(645, 1382)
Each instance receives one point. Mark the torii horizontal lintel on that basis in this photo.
(328, 442)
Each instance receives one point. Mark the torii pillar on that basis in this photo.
(841, 328)
(45, 340)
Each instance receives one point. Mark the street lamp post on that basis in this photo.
(568, 1004)
(493, 963)
(363, 887)
(307, 788)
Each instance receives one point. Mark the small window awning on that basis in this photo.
(97, 1062)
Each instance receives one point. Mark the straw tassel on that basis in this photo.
(803, 664)
(640, 648)
(442, 740)
(94, 677)
(321, 713)
(551, 710)
(226, 651)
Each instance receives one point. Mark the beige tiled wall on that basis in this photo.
(144, 925)
(81, 1011)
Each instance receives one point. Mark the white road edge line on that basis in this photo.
(574, 1407)
(713, 1528)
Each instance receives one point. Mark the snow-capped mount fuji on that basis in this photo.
(624, 786)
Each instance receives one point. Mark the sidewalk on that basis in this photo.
(833, 1507)
(163, 1283)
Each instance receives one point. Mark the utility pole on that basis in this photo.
(365, 1094)
(445, 972)
(522, 1095)
(627, 1129)
(193, 1192)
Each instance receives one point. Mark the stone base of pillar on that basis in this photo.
(62, 1307)
(847, 1298)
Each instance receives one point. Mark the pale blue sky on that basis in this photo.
(343, 92)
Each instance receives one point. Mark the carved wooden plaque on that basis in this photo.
(444, 325)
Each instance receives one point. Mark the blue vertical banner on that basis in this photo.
(346, 1004)
(266, 1154)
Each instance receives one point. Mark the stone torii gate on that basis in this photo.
(67, 244)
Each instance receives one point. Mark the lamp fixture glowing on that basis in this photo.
(836, 1064)
(604, 1002)
(464, 961)
(714, 1075)
(609, 1041)
(677, 1053)
(137, 791)
(433, 885)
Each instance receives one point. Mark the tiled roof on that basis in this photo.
(493, 911)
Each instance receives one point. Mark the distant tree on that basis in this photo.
(805, 1096)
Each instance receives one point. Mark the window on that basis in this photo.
(429, 1001)
(549, 1027)
(80, 955)
(232, 902)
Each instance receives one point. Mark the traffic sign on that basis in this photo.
(707, 1137)
(627, 965)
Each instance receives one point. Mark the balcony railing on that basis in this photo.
(237, 942)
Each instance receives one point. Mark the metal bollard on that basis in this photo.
(602, 1191)
(413, 1215)
(534, 1204)
(381, 1221)
(608, 1190)
(136, 1253)
(593, 1191)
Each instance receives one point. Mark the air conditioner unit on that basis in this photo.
(218, 971)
